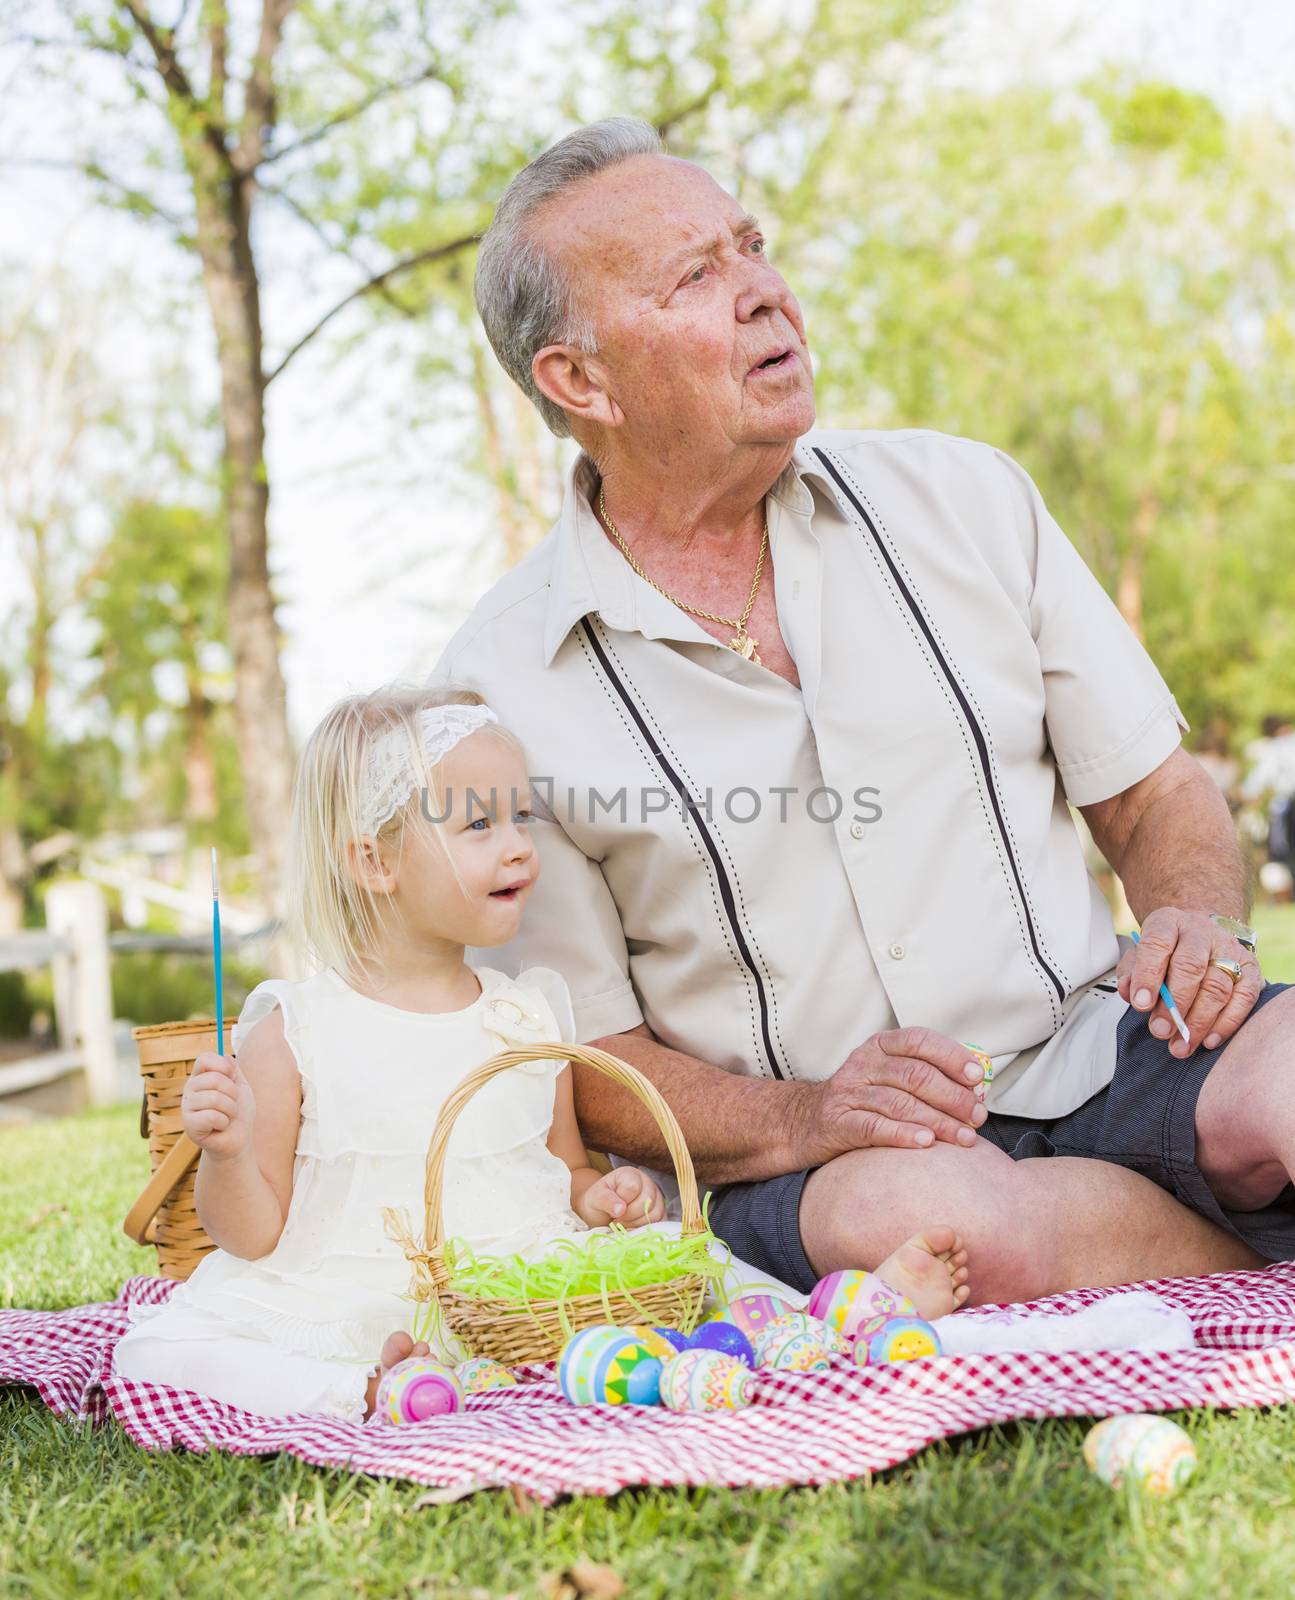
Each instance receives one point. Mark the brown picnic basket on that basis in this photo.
(165, 1214)
(516, 1331)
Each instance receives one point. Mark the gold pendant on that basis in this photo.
(744, 645)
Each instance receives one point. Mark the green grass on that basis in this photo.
(1007, 1512)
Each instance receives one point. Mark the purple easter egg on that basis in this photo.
(726, 1337)
(679, 1340)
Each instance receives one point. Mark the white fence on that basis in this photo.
(78, 948)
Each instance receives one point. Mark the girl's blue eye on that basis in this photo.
(483, 822)
(522, 817)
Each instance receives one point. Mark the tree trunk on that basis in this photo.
(13, 870)
(530, 471)
(514, 542)
(260, 702)
(200, 788)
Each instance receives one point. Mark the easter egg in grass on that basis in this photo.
(898, 1339)
(479, 1374)
(848, 1301)
(416, 1389)
(753, 1313)
(706, 1380)
(605, 1365)
(796, 1342)
(1149, 1450)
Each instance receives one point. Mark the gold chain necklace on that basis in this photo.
(742, 643)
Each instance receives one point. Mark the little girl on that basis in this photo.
(410, 842)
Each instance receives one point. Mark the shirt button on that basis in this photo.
(857, 830)
(897, 952)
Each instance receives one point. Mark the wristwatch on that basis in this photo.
(1243, 934)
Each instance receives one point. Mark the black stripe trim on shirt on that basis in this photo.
(977, 732)
(694, 812)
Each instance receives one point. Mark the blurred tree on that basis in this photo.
(288, 102)
(57, 417)
(1102, 284)
(157, 600)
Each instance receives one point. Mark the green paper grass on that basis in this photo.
(614, 1261)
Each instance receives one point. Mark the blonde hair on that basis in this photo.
(332, 916)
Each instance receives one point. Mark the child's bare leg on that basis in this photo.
(931, 1269)
(1031, 1227)
(398, 1347)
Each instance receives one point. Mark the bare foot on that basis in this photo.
(398, 1347)
(931, 1269)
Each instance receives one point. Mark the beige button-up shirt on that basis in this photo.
(767, 875)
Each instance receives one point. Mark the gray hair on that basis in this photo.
(524, 298)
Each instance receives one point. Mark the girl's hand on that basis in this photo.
(218, 1108)
(623, 1195)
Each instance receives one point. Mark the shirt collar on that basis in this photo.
(590, 574)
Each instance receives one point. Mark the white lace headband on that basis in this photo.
(390, 772)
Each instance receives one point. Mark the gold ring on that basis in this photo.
(1232, 968)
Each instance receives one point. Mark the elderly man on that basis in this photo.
(805, 710)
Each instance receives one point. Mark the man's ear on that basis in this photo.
(576, 381)
(365, 863)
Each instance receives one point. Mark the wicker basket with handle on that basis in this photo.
(165, 1214)
(515, 1331)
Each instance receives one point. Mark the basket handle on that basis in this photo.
(611, 1066)
(140, 1224)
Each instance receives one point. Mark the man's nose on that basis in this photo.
(765, 290)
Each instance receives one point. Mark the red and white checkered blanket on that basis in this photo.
(802, 1429)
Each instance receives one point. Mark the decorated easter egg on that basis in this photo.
(656, 1341)
(852, 1302)
(795, 1343)
(1142, 1449)
(898, 1339)
(753, 1313)
(479, 1374)
(725, 1336)
(417, 1388)
(607, 1366)
(983, 1058)
(706, 1380)
(679, 1341)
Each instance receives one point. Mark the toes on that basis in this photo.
(937, 1241)
(422, 1348)
(960, 1276)
(958, 1259)
(397, 1347)
(960, 1294)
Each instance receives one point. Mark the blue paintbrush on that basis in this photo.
(1168, 999)
(215, 945)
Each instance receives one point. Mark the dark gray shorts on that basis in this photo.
(1144, 1119)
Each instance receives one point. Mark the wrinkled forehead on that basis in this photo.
(629, 223)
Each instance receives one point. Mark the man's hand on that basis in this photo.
(217, 1108)
(623, 1195)
(1177, 948)
(906, 1087)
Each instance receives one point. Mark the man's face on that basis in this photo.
(701, 343)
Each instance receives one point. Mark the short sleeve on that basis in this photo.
(572, 926)
(1111, 718)
(264, 999)
(553, 986)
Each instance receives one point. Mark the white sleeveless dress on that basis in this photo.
(301, 1328)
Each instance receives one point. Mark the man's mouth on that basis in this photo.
(772, 363)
